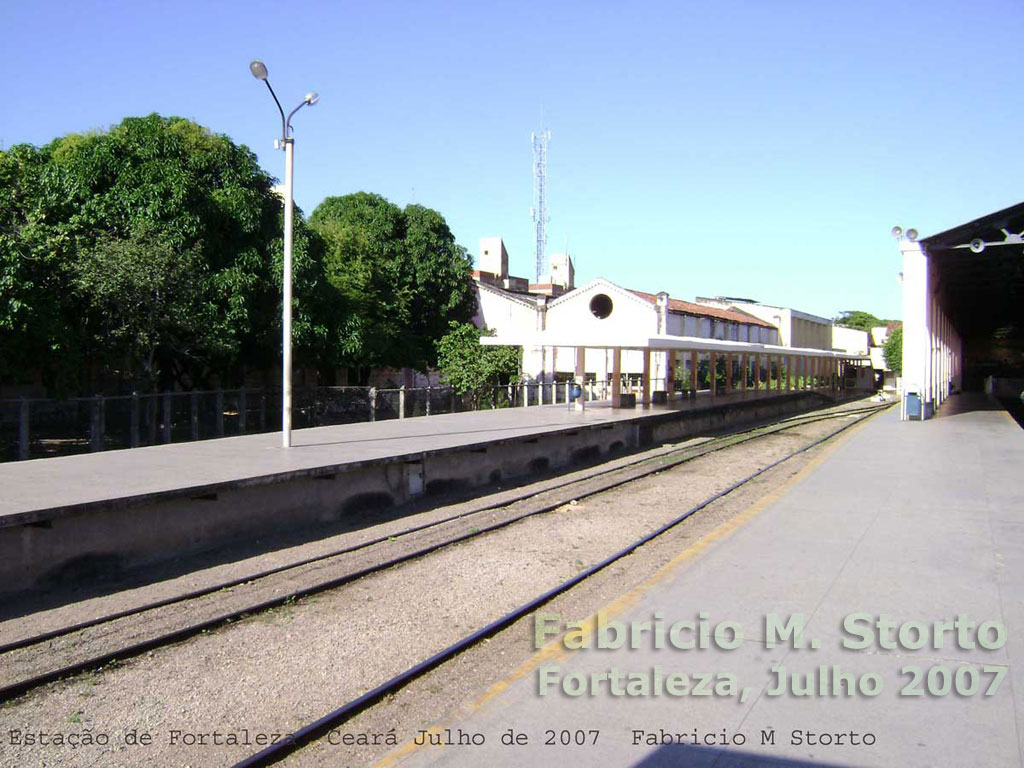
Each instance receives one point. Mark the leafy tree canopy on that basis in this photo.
(400, 272)
(860, 320)
(467, 365)
(150, 252)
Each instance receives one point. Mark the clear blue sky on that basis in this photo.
(760, 149)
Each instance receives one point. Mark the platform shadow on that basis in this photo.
(697, 756)
(962, 403)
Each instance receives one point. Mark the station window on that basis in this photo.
(601, 306)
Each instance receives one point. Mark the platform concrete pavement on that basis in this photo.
(921, 521)
(68, 482)
(88, 478)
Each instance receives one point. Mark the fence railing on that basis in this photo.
(33, 428)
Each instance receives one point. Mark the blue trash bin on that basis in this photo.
(575, 390)
(913, 406)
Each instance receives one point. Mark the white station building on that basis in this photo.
(602, 333)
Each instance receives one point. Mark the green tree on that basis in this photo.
(860, 320)
(362, 235)
(469, 366)
(72, 210)
(32, 287)
(401, 274)
(893, 351)
(149, 307)
(441, 289)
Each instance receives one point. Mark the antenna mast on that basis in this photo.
(539, 211)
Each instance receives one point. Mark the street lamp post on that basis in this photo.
(287, 143)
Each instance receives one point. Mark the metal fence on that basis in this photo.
(32, 428)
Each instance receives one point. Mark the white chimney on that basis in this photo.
(662, 312)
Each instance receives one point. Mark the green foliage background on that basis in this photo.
(860, 320)
(149, 255)
(401, 274)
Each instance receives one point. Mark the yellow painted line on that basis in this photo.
(556, 651)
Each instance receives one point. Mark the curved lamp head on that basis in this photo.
(897, 231)
(312, 98)
(258, 69)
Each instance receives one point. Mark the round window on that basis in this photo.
(601, 306)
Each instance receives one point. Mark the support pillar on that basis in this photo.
(645, 382)
(617, 377)
(728, 374)
(712, 370)
(23, 429)
(757, 372)
(581, 375)
(693, 374)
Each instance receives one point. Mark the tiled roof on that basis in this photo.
(700, 310)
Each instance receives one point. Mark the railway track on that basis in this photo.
(335, 718)
(28, 662)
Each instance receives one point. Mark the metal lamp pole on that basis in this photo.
(287, 143)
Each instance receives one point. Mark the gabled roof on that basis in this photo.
(597, 282)
(677, 307)
(519, 298)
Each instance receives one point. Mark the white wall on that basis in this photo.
(504, 314)
(932, 348)
(628, 311)
(850, 340)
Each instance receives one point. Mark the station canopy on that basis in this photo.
(979, 271)
(662, 343)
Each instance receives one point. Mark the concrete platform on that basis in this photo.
(109, 511)
(920, 521)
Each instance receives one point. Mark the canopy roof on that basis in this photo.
(658, 343)
(981, 290)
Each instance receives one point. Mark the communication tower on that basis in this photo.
(539, 211)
